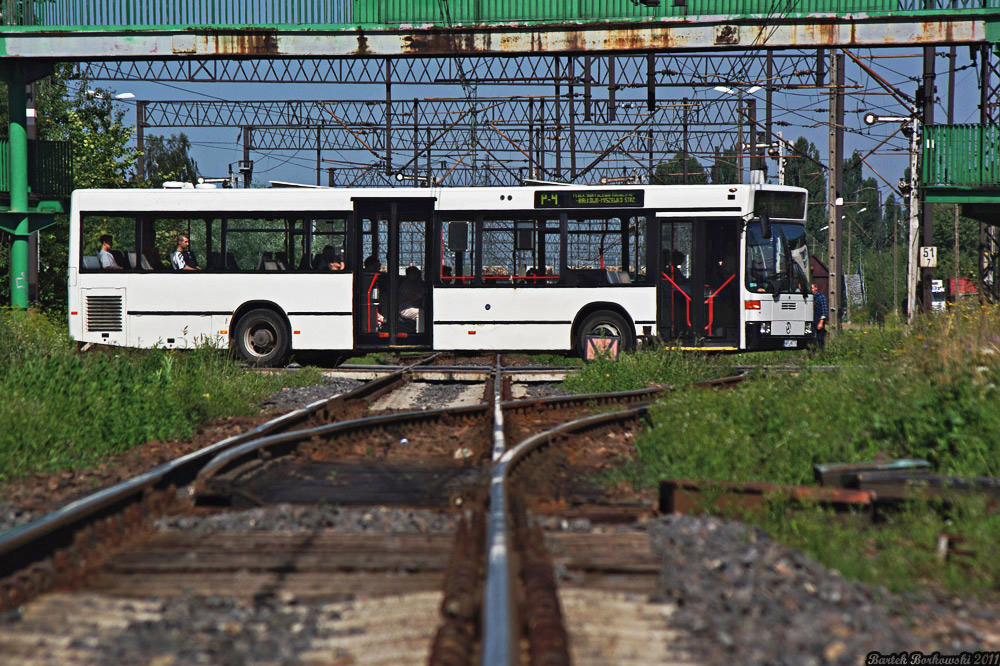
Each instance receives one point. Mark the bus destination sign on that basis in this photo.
(589, 199)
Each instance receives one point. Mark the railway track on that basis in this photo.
(356, 532)
(417, 483)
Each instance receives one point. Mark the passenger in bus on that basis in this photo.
(330, 260)
(411, 296)
(106, 258)
(182, 259)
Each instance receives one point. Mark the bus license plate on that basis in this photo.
(791, 343)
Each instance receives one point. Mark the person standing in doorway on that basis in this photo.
(821, 310)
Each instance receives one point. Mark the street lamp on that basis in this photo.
(120, 96)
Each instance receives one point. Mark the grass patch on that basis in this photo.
(929, 392)
(65, 410)
(556, 360)
(374, 358)
(646, 368)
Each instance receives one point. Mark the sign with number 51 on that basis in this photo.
(928, 257)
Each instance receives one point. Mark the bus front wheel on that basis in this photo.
(605, 323)
(262, 338)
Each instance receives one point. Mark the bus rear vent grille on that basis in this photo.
(788, 306)
(104, 313)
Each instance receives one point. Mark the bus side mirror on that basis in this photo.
(765, 226)
(458, 236)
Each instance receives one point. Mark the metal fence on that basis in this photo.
(373, 13)
(50, 168)
(961, 156)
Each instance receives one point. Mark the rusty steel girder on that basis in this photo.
(702, 34)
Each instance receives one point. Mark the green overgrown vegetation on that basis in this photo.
(927, 392)
(66, 410)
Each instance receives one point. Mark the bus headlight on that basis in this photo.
(765, 328)
(809, 328)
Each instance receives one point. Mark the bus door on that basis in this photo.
(698, 287)
(392, 293)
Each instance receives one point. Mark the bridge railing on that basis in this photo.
(961, 156)
(83, 14)
(50, 169)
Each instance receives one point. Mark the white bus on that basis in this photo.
(498, 268)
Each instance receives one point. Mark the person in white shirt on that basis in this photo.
(106, 258)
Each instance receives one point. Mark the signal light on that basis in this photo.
(751, 305)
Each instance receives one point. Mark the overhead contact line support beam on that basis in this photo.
(612, 71)
(835, 180)
(927, 208)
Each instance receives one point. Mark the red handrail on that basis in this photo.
(710, 301)
(688, 303)
(368, 301)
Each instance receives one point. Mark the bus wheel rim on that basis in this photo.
(260, 340)
(605, 330)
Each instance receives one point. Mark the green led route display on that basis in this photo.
(589, 199)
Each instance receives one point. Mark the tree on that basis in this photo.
(102, 157)
(672, 172)
(168, 159)
(725, 168)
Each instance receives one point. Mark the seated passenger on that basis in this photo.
(330, 260)
(106, 258)
(411, 296)
(182, 259)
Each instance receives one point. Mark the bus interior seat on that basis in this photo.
(619, 277)
(120, 259)
(216, 263)
(130, 259)
(589, 277)
(268, 262)
(151, 261)
(90, 263)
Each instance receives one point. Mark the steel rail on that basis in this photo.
(39, 539)
(499, 608)
(234, 459)
(501, 630)
(231, 462)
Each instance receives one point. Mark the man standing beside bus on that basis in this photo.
(182, 259)
(821, 310)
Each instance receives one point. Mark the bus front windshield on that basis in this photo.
(779, 264)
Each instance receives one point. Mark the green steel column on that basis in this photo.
(17, 110)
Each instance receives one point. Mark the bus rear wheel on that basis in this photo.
(606, 324)
(262, 338)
